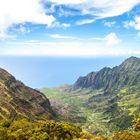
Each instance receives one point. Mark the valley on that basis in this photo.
(102, 105)
(72, 106)
(101, 102)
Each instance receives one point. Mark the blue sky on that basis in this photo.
(74, 31)
(38, 72)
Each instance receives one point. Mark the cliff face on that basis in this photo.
(20, 101)
(128, 73)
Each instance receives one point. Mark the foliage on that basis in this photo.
(126, 135)
(39, 130)
(136, 124)
(5, 123)
(129, 134)
(3, 133)
(72, 106)
(52, 130)
(88, 136)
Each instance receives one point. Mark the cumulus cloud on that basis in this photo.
(112, 39)
(14, 12)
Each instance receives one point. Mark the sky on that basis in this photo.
(41, 40)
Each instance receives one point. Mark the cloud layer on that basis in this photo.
(108, 45)
(65, 49)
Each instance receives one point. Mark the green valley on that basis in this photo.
(103, 105)
(71, 106)
(101, 102)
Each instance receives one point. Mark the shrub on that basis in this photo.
(136, 123)
(126, 135)
(39, 130)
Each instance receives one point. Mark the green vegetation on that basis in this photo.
(94, 110)
(101, 108)
(119, 102)
(72, 106)
(133, 134)
(51, 130)
(129, 99)
(38, 130)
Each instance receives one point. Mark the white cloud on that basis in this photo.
(85, 21)
(135, 23)
(57, 24)
(58, 36)
(5, 36)
(98, 8)
(64, 49)
(66, 25)
(23, 30)
(68, 1)
(73, 47)
(112, 39)
(109, 24)
(110, 8)
(21, 11)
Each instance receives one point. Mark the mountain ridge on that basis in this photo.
(115, 77)
(20, 101)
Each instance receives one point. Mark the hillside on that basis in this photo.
(19, 101)
(102, 101)
(119, 101)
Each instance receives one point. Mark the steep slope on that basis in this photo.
(128, 73)
(20, 101)
(119, 101)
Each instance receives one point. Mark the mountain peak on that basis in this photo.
(131, 64)
(132, 59)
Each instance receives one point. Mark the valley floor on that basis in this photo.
(72, 106)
